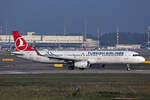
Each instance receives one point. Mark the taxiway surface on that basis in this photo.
(74, 71)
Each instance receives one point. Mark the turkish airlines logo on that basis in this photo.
(21, 44)
(51, 54)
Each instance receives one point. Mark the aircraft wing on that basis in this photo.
(62, 58)
(55, 56)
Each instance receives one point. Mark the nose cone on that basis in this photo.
(142, 59)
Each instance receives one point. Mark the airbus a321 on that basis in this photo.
(79, 59)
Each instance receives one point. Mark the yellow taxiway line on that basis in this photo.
(146, 61)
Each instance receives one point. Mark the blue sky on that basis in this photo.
(49, 16)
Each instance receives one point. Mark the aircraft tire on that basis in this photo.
(81, 68)
(71, 67)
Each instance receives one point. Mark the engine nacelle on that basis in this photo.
(81, 64)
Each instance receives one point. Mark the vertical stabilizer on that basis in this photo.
(20, 43)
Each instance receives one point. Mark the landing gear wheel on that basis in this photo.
(103, 65)
(128, 67)
(71, 67)
(81, 68)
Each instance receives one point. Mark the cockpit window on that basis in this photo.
(136, 55)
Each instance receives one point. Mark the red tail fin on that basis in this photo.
(20, 43)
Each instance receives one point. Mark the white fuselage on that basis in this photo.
(31, 55)
(93, 57)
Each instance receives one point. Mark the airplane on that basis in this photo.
(80, 59)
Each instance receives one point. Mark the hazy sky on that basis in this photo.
(49, 16)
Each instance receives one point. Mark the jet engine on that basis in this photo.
(82, 64)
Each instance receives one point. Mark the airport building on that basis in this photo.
(124, 46)
(52, 41)
(128, 46)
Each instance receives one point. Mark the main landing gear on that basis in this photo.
(103, 65)
(128, 67)
(71, 67)
(81, 68)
